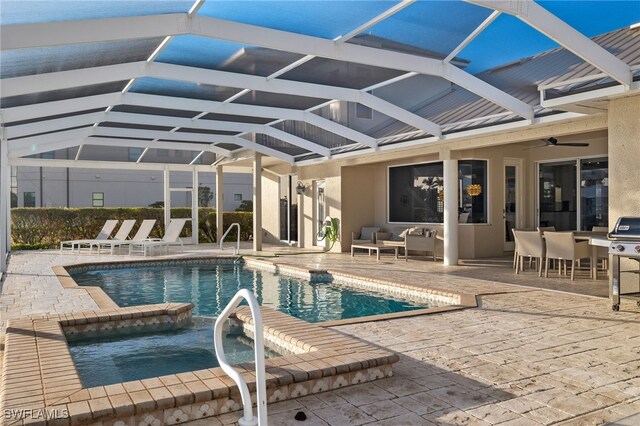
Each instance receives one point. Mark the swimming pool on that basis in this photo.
(122, 356)
(211, 286)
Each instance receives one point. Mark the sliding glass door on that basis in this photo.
(558, 202)
(594, 193)
(573, 194)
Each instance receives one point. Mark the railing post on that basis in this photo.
(247, 419)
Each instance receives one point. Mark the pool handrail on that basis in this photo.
(247, 419)
(225, 236)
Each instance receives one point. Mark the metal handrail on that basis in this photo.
(247, 419)
(225, 235)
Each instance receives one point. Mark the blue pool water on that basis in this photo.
(210, 287)
(118, 357)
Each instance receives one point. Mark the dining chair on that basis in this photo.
(546, 228)
(531, 245)
(515, 249)
(602, 252)
(563, 246)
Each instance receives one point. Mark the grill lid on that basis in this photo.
(627, 228)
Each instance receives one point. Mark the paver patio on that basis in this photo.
(525, 356)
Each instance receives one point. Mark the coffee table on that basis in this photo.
(376, 247)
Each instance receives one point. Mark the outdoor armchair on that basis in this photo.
(366, 235)
(104, 234)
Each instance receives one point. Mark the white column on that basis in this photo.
(5, 186)
(450, 212)
(219, 202)
(257, 202)
(301, 220)
(167, 198)
(194, 209)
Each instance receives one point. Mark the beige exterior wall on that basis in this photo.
(624, 171)
(624, 157)
(330, 173)
(356, 188)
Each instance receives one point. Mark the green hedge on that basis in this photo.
(35, 228)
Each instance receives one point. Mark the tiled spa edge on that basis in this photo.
(39, 375)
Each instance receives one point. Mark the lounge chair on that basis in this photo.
(104, 234)
(141, 235)
(171, 237)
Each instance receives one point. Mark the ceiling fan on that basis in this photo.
(554, 142)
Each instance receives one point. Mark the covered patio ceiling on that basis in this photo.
(233, 78)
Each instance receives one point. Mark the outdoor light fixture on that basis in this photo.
(474, 189)
(300, 188)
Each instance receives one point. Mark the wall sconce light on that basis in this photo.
(300, 188)
(97, 176)
(474, 189)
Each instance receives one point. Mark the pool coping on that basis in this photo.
(41, 385)
(403, 290)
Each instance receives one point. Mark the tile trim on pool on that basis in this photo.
(37, 356)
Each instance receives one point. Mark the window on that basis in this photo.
(97, 199)
(48, 155)
(29, 199)
(416, 192)
(134, 154)
(472, 175)
(237, 197)
(594, 193)
(163, 153)
(179, 153)
(363, 111)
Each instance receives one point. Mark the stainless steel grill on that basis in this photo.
(625, 242)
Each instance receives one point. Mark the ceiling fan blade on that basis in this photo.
(573, 144)
(537, 146)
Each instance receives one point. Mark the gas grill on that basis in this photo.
(625, 242)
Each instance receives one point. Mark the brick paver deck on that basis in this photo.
(525, 356)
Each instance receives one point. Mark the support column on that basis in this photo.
(195, 224)
(450, 210)
(5, 188)
(257, 202)
(219, 202)
(167, 198)
(301, 220)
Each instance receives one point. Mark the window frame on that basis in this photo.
(94, 199)
(35, 201)
(486, 191)
(235, 197)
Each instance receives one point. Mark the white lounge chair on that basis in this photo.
(141, 235)
(104, 234)
(171, 237)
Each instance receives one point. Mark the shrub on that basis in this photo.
(36, 228)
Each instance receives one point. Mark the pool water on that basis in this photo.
(210, 287)
(119, 357)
